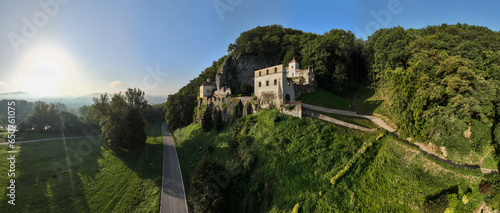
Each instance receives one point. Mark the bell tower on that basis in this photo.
(292, 67)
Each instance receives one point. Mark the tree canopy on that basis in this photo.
(122, 119)
(442, 81)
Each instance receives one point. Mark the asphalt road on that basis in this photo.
(173, 197)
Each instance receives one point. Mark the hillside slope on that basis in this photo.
(275, 165)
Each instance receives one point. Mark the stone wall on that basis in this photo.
(295, 112)
(311, 113)
(303, 89)
(226, 105)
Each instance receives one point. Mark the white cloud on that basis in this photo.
(115, 84)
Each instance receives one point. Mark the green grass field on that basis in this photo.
(326, 98)
(297, 158)
(99, 180)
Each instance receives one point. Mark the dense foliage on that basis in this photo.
(121, 118)
(335, 56)
(180, 107)
(441, 82)
(23, 109)
(155, 113)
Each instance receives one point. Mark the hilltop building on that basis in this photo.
(207, 89)
(277, 85)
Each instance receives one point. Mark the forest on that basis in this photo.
(439, 81)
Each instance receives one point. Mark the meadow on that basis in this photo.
(84, 175)
(294, 161)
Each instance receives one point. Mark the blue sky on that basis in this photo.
(107, 46)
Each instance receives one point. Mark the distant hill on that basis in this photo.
(14, 93)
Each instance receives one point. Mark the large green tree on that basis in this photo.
(121, 118)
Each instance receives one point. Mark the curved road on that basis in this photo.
(173, 197)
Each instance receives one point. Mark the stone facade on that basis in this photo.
(276, 85)
(301, 76)
(207, 89)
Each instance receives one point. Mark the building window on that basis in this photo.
(275, 82)
(292, 67)
(288, 83)
(267, 83)
(267, 72)
(260, 84)
(275, 70)
(208, 91)
(259, 73)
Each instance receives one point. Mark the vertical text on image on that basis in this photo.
(11, 151)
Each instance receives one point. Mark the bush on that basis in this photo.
(209, 186)
(206, 120)
(296, 208)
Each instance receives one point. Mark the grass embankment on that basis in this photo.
(100, 179)
(327, 99)
(296, 160)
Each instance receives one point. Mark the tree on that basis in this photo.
(122, 119)
(71, 122)
(209, 186)
(83, 110)
(206, 119)
(45, 117)
(219, 125)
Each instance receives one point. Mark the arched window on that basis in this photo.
(267, 72)
(275, 69)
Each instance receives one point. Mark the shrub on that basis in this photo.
(209, 189)
(206, 120)
(485, 188)
(296, 208)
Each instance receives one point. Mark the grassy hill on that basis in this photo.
(100, 180)
(275, 165)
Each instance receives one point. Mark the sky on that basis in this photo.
(76, 47)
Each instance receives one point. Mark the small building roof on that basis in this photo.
(293, 61)
(208, 83)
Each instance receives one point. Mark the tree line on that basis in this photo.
(120, 117)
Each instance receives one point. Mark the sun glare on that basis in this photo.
(47, 78)
(47, 71)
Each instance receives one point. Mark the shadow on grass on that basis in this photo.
(49, 175)
(146, 162)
